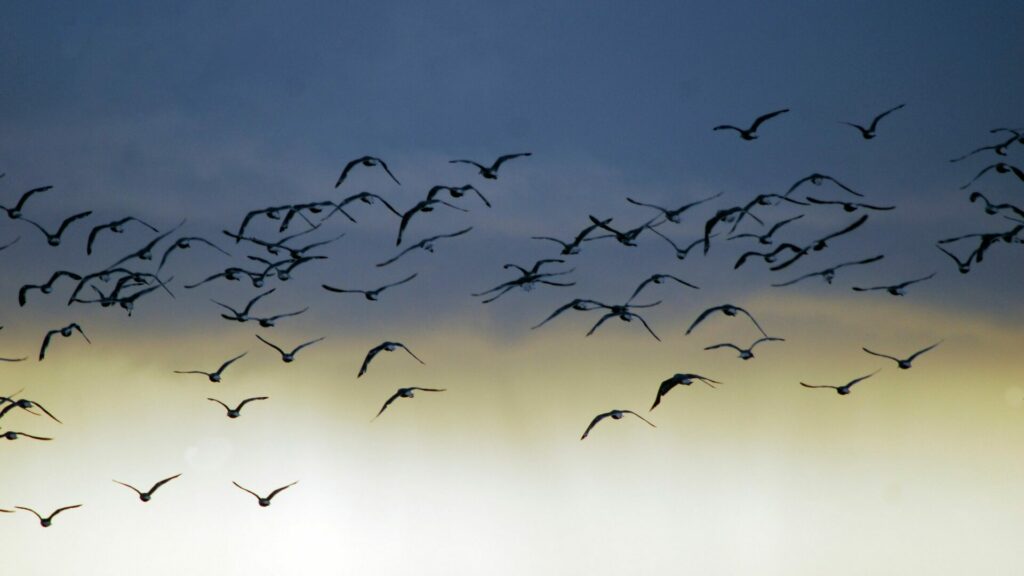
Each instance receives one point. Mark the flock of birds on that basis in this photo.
(137, 276)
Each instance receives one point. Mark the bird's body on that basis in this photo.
(903, 363)
(48, 520)
(213, 376)
(65, 332)
(264, 501)
(491, 172)
(745, 353)
(845, 388)
(728, 310)
(237, 410)
(368, 161)
(405, 393)
(384, 347)
(616, 414)
(679, 380)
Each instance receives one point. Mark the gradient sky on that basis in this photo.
(205, 112)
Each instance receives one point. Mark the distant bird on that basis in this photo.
(994, 209)
(624, 237)
(184, 243)
(1000, 168)
(751, 133)
(27, 406)
(658, 279)
(364, 197)
(904, 364)
(213, 376)
(425, 244)
(964, 266)
(15, 212)
(725, 215)
(243, 315)
(573, 247)
(679, 380)
(845, 388)
(233, 274)
(672, 215)
(405, 393)
(829, 274)
(528, 279)
(999, 148)
(896, 289)
(766, 238)
(848, 206)
(745, 353)
(270, 321)
(728, 310)
(53, 238)
(457, 192)
(818, 179)
(625, 313)
(12, 359)
(66, 332)
(237, 410)
(579, 304)
(369, 161)
(616, 415)
(422, 206)
(681, 253)
(264, 502)
(491, 172)
(869, 132)
(371, 295)
(770, 257)
(384, 347)
(148, 495)
(48, 521)
(46, 287)
(146, 252)
(821, 243)
(9, 244)
(117, 227)
(12, 435)
(288, 356)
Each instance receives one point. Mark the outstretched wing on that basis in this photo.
(593, 423)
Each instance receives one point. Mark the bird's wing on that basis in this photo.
(247, 400)
(246, 489)
(749, 315)
(602, 321)
(502, 159)
(226, 407)
(702, 316)
(593, 423)
(874, 123)
(29, 510)
(855, 380)
(388, 403)
(400, 282)
(922, 351)
(46, 343)
(403, 347)
(59, 510)
(24, 197)
(724, 345)
(67, 221)
(162, 482)
(384, 165)
(229, 362)
(282, 488)
(761, 119)
(137, 491)
(640, 417)
(269, 343)
(646, 325)
(345, 171)
(304, 344)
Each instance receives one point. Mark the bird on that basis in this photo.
(26, 405)
(184, 243)
(751, 133)
(820, 243)
(616, 415)
(148, 495)
(573, 247)
(623, 312)
(766, 238)
(48, 521)
(728, 310)
(725, 215)
(994, 209)
(770, 257)
(423, 206)
(233, 274)
(368, 161)
(425, 244)
(66, 332)
(53, 239)
(491, 172)
(405, 393)
(579, 304)
(12, 435)
(658, 279)
(681, 253)
(371, 295)
(384, 347)
(849, 206)
(46, 287)
(745, 353)
(818, 179)
(829, 274)
(869, 132)
(964, 266)
(269, 321)
(237, 410)
(528, 280)
(15, 212)
(117, 227)
(213, 376)
(672, 215)
(287, 357)
(146, 252)
(243, 315)
(679, 380)
(999, 148)
(904, 364)
(845, 388)
(264, 502)
(365, 198)
(896, 289)
(457, 192)
(1000, 168)
(627, 237)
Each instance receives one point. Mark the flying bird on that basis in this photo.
(579, 304)
(818, 179)
(659, 279)
(66, 332)
(770, 257)
(243, 315)
(725, 215)
(117, 227)
(845, 388)
(573, 247)
(624, 312)
(184, 243)
(425, 244)
(728, 310)
(626, 237)
(287, 357)
(679, 380)
(369, 161)
(766, 238)
(237, 410)
(821, 243)
(264, 502)
(751, 133)
(12, 435)
(213, 376)
(405, 393)
(46, 287)
(48, 521)
(457, 192)
(15, 212)
(423, 206)
(146, 252)
(672, 215)
(53, 238)
(491, 172)
(384, 347)
(681, 253)
(829, 274)
(148, 495)
(849, 206)
(528, 279)
(896, 289)
(964, 266)
(869, 132)
(27, 406)
(616, 415)
(745, 353)
(1000, 168)
(994, 209)
(999, 148)
(904, 363)
(371, 295)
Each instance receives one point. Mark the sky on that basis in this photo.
(199, 113)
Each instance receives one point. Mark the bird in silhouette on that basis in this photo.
(15, 212)
(904, 363)
(384, 347)
(625, 313)
(999, 148)
(616, 415)
(769, 257)
(725, 215)
(1000, 168)
(287, 357)
(184, 243)
(457, 192)
(368, 161)
(213, 376)
(53, 238)
(766, 238)
(46, 287)
(117, 227)
(313, 208)
(994, 209)
(845, 388)
(491, 172)
(146, 252)
(48, 521)
(26, 405)
(745, 353)
(66, 332)
(818, 179)
(422, 206)
(366, 198)
(271, 212)
(371, 295)
(679, 380)
(682, 252)
(573, 247)
(265, 501)
(751, 133)
(425, 244)
(237, 410)
(148, 495)
(849, 206)
(405, 393)
(243, 315)
(895, 289)
(12, 435)
(829, 274)
(728, 310)
(964, 266)
(270, 321)
(660, 279)
(673, 215)
(233, 274)
(624, 237)
(528, 279)
(820, 243)
(869, 132)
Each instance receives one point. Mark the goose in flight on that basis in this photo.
(184, 243)
(818, 179)
(48, 521)
(12, 435)
(616, 415)
(425, 244)
(405, 393)
(849, 206)
(573, 247)
(288, 357)
(845, 388)
(457, 192)
(243, 315)
(265, 501)
(745, 353)
(751, 133)
(66, 332)
(994, 209)
(26, 405)
(15, 212)
(1000, 168)
(371, 295)
(829, 274)
(423, 206)
(659, 279)
(213, 376)
(237, 410)
(999, 148)
(769, 257)
(53, 238)
(896, 289)
(681, 253)
(904, 363)
(117, 227)
(368, 161)
(46, 287)
(728, 310)
(491, 172)
(625, 313)
(384, 347)
(869, 132)
(528, 279)
(147, 495)
(679, 380)
(672, 215)
(766, 238)
(821, 243)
